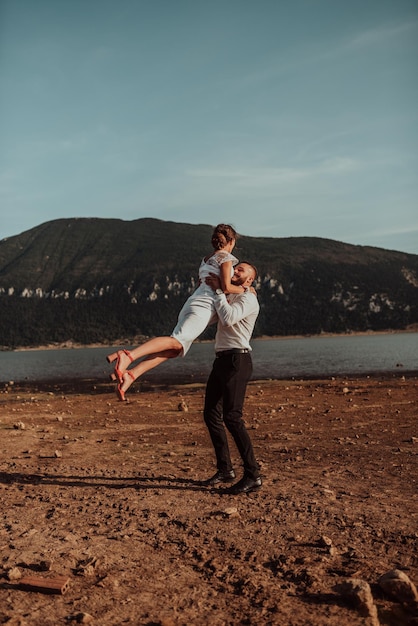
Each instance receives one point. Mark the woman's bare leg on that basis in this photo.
(145, 365)
(151, 347)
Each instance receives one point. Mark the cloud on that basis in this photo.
(313, 53)
(396, 230)
(281, 175)
(381, 34)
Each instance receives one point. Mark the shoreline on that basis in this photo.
(70, 345)
(94, 386)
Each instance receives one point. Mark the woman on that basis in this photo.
(193, 317)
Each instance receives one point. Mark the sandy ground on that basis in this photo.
(108, 495)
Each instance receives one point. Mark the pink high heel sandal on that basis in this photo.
(118, 374)
(119, 391)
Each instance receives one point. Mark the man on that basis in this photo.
(227, 383)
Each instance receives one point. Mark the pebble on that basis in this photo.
(325, 541)
(81, 618)
(14, 574)
(359, 593)
(398, 585)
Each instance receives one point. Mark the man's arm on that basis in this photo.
(243, 305)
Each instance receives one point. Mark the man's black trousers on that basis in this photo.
(224, 400)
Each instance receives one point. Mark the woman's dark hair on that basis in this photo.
(222, 235)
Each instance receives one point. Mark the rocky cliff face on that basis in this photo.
(98, 280)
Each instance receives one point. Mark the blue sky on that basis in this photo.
(283, 117)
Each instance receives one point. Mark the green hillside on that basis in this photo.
(94, 280)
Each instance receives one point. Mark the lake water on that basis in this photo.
(273, 358)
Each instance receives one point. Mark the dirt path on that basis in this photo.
(109, 495)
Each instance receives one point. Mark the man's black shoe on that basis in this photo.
(220, 477)
(245, 485)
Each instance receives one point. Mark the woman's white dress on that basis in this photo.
(199, 308)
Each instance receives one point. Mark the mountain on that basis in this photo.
(102, 280)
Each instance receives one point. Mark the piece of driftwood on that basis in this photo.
(58, 584)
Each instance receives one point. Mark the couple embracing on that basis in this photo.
(225, 291)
